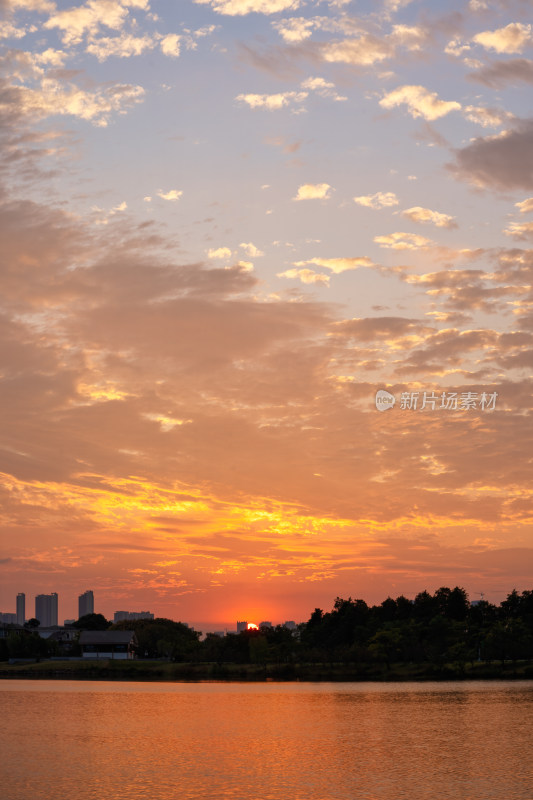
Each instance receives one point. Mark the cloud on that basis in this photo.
(170, 45)
(219, 252)
(411, 37)
(75, 23)
(10, 31)
(469, 289)
(511, 39)
(338, 265)
(21, 65)
(122, 46)
(364, 51)
(498, 74)
(377, 200)
(51, 57)
(313, 191)
(402, 241)
(322, 87)
(487, 117)
(272, 102)
(317, 83)
(420, 102)
(370, 328)
(41, 6)
(456, 47)
(251, 250)
(241, 7)
(520, 230)
(56, 98)
(104, 217)
(296, 29)
(395, 5)
(305, 276)
(525, 206)
(504, 161)
(172, 194)
(423, 215)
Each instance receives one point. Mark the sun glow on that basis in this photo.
(252, 626)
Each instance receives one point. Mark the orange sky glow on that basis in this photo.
(223, 229)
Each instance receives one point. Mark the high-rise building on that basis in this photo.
(86, 603)
(21, 608)
(242, 626)
(46, 609)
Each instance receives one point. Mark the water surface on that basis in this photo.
(71, 740)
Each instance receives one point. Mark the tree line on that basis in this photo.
(440, 628)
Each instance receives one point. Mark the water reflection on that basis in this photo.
(90, 741)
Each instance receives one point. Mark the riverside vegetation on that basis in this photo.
(435, 636)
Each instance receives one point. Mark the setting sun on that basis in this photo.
(252, 626)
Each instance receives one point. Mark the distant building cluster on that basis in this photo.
(242, 625)
(20, 617)
(46, 610)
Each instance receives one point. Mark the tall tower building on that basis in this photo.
(86, 603)
(46, 609)
(21, 608)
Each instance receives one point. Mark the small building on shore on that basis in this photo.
(108, 644)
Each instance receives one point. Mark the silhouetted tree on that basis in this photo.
(162, 637)
(92, 622)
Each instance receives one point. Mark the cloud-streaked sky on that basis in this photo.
(224, 225)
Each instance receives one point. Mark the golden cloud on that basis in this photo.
(305, 276)
(313, 191)
(377, 200)
(424, 215)
(402, 241)
(272, 102)
(241, 7)
(338, 265)
(511, 39)
(172, 194)
(419, 101)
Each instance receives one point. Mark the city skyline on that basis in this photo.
(266, 302)
(86, 606)
(86, 602)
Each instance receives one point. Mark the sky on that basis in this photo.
(226, 225)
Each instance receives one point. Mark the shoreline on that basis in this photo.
(158, 671)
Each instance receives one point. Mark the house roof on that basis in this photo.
(107, 637)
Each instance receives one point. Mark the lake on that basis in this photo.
(72, 740)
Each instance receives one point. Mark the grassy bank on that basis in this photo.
(164, 671)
